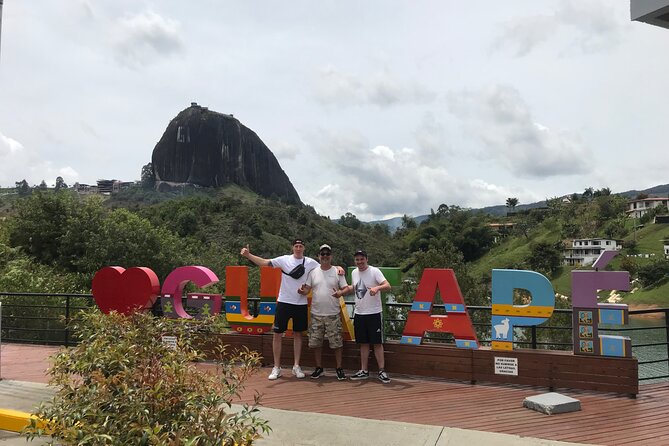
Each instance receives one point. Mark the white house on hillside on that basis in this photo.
(585, 251)
(637, 208)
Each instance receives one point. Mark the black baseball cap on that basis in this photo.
(360, 252)
(298, 241)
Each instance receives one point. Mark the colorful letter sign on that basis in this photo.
(136, 289)
(175, 283)
(125, 290)
(237, 303)
(506, 315)
(456, 320)
(587, 314)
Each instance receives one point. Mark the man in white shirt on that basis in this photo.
(325, 285)
(290, 304)
(368, 282)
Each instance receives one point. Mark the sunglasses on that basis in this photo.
(326, 253)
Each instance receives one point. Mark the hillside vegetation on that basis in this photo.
(55, 241)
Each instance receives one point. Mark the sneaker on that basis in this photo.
(383, 377)
(360, 374)
(318, 372)
(341, 376)
(297, 371)
(276, 372)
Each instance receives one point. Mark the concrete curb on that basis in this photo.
(14, 420)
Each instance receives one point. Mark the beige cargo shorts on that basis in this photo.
(325, 327)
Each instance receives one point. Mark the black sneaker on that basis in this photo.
(383, 377)
(360, 374)
(341, 376)
(317, 373)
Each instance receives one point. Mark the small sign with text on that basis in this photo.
(506, 366)
(170, 341)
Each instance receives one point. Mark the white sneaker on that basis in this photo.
(297, 371)
(276, 372)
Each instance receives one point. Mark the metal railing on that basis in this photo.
(44, 319)
(39, 318)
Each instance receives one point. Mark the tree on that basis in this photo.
(408, 222)
(350, 221)
(42, 185)
(545, 258)
(39, 224)
(511, 202)
(60, 183)
(652, 273)
(22, 188)
(603, 192)
(126, 239)
(588, 193)
(442, 210)
(148, 179)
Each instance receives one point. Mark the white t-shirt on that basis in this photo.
(289, 286)
(324, 283)
(365, 303)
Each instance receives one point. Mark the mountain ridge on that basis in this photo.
(500, 210)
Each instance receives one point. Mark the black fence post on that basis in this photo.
(67, 321)
(534, 337)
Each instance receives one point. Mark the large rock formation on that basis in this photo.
(207, 148)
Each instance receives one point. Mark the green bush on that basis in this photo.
(653, 272)
(122, 385)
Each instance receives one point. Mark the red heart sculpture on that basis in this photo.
(125, 291)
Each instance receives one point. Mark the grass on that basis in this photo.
(512, 252)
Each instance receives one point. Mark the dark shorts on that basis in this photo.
(368, 328)
(284, 312)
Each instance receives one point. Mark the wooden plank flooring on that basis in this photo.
(605, 419)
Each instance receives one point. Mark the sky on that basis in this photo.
(378, 108)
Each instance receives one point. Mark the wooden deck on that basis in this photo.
(605, 419)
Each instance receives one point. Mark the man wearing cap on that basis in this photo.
(290, 304)
(367, 283)
(325, 284)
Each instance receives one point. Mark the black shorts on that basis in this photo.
(284, 312)
(368, 328)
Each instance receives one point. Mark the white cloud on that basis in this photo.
(284, 150)
(142, 38)
(18, 163)
(374, 182)
(500, 119)
(431, 137)
(381, 89)
(588, 26)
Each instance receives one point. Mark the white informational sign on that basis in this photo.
(506, 366)
(170, 341)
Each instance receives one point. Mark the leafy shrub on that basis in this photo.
(654, 272)
(122, 385)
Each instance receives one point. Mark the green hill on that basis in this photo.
(63, 238)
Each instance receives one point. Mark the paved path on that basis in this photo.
(302, 428)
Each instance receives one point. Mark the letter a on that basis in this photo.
(456, 320)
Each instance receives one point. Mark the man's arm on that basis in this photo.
(348, 289)
(383, 286)
(255, 259)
